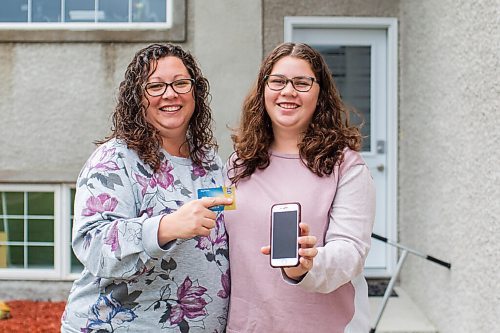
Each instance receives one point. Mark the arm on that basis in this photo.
(348, 237)
(109, 236)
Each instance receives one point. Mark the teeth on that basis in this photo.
(170, 108)
(288, 105)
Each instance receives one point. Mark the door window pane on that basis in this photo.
(351, 68)
(46, 10)
(14, 11)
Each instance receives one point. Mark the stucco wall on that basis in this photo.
(228, 44)
(275, 10)
(57, 98)
(449, 175)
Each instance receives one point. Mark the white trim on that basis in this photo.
(58, 222)
(65, 234)
(391, 25)
(86, 26)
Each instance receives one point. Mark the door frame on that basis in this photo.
(391, 26)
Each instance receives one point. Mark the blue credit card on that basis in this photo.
(221, 191)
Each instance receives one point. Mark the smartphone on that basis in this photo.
(285, 219)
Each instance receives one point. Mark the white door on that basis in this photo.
(358, 59)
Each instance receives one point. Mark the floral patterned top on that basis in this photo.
(130, 283)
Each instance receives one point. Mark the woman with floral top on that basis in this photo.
(155, 257)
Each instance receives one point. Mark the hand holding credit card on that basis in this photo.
(221, 191)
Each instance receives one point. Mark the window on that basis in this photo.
(92, 20)
(35, 232)
(86, 11)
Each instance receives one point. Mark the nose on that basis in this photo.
(288, 89)
(169, 92)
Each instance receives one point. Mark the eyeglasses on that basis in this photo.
(278, 82)
(182, 86)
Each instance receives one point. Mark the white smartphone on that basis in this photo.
(285, 219)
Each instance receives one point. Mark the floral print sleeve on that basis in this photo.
(108, 229)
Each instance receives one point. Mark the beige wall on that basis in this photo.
(228, 44)
(449, 174)
(56, 98)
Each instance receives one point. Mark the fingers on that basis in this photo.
(306, 264)
(307, 241)
(308, 253)
(265, 250)
(304, 229)
(208, 202)
(208, 223)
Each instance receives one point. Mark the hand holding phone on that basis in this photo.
(285, 219)
(306, 253)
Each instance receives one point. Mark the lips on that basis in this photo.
(170, 108)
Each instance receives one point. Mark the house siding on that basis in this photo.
(449, 179)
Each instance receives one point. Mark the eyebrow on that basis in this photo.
(293, 76)
(176, 76)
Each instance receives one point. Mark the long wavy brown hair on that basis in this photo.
(129, 117)
(326, 136)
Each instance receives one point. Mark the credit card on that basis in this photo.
(221, 191)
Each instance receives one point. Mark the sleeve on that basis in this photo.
(348, 238)
(110, 237)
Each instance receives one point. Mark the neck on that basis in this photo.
(176, 146)
(286, 142)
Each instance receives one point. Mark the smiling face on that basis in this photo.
(289, 109)
(170, 113)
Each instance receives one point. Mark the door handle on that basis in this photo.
(380, 167)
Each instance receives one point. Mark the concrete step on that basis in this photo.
(401, 315)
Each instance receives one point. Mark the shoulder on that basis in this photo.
(110, 154)
(351, 158)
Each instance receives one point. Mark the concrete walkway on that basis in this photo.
(401, 315)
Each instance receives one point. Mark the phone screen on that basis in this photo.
(285, 235)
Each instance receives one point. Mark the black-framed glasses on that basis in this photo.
(278, 82)
(182, 86)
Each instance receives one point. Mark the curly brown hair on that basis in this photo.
(129, 117)
(326, 136)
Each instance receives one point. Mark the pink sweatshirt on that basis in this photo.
(333, 296)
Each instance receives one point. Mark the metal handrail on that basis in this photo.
(392, 281)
